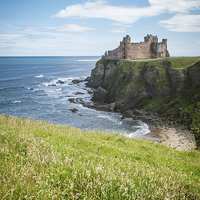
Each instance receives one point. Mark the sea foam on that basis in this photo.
(40, 76)
(16, 101)
(143, 129)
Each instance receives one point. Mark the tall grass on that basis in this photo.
(45, 161)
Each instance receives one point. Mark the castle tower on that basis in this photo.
(127, 44)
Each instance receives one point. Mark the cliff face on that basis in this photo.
(102, 73)
(130, 81)
(169, 86)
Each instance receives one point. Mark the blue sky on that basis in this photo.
(90, 27)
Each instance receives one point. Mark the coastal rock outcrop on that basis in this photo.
(102, 73)
(178, 80)
(128, 82)
(169, 87)
(194, 73)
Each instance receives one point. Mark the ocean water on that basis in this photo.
(40, 88)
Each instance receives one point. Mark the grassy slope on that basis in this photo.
(45, 161)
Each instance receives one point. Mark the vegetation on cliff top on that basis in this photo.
(45, 161)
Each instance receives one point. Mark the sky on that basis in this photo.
(91, 27)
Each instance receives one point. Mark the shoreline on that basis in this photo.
(162, 130)
(170, 134)
(176, 138)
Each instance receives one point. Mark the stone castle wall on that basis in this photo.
(150, 48)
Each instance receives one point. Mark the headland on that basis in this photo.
(164, 93)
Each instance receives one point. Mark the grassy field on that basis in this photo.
(176, 62)
(45, 161)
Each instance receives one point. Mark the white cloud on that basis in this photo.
(182, 6)
(118, 31)
(101, 9)
(126, 15)
(121, 28)
(70, 28)
(74, 28)
(11, 36)
(29, 30)
(182, 23)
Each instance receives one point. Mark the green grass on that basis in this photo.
(176, 62)
(46, 161)
(182, 62)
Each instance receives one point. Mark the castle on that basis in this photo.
(150, 48)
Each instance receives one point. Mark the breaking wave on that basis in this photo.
(40, 76)
(16, 101)
(143, 129)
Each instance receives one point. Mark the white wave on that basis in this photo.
(112, 119)
(58, 89)
(46, 84)
(16, 101)
(50, 91)
(28, 88)
(85, 60)
(66, 81)
(40, 76)
(143, 129)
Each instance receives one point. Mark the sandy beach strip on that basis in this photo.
(177, 138)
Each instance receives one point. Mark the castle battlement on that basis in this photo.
(150, 48)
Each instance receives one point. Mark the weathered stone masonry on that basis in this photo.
(150, 48)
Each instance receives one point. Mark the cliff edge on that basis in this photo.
(168, 87)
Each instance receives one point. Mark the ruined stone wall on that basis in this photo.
(139, 50)
(113, 54)
(150, 48)
(161, 50)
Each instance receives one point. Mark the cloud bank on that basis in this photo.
(182, 23)
(127, 15)
(11, 36)
(70, 28)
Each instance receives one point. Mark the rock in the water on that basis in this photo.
(79, 93)
(87, 79)
(60, 82)
(52, 85)
(76, 81)
(73, 110)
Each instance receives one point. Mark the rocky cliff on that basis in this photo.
(169, 87)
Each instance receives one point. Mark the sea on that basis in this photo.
(41, 88)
